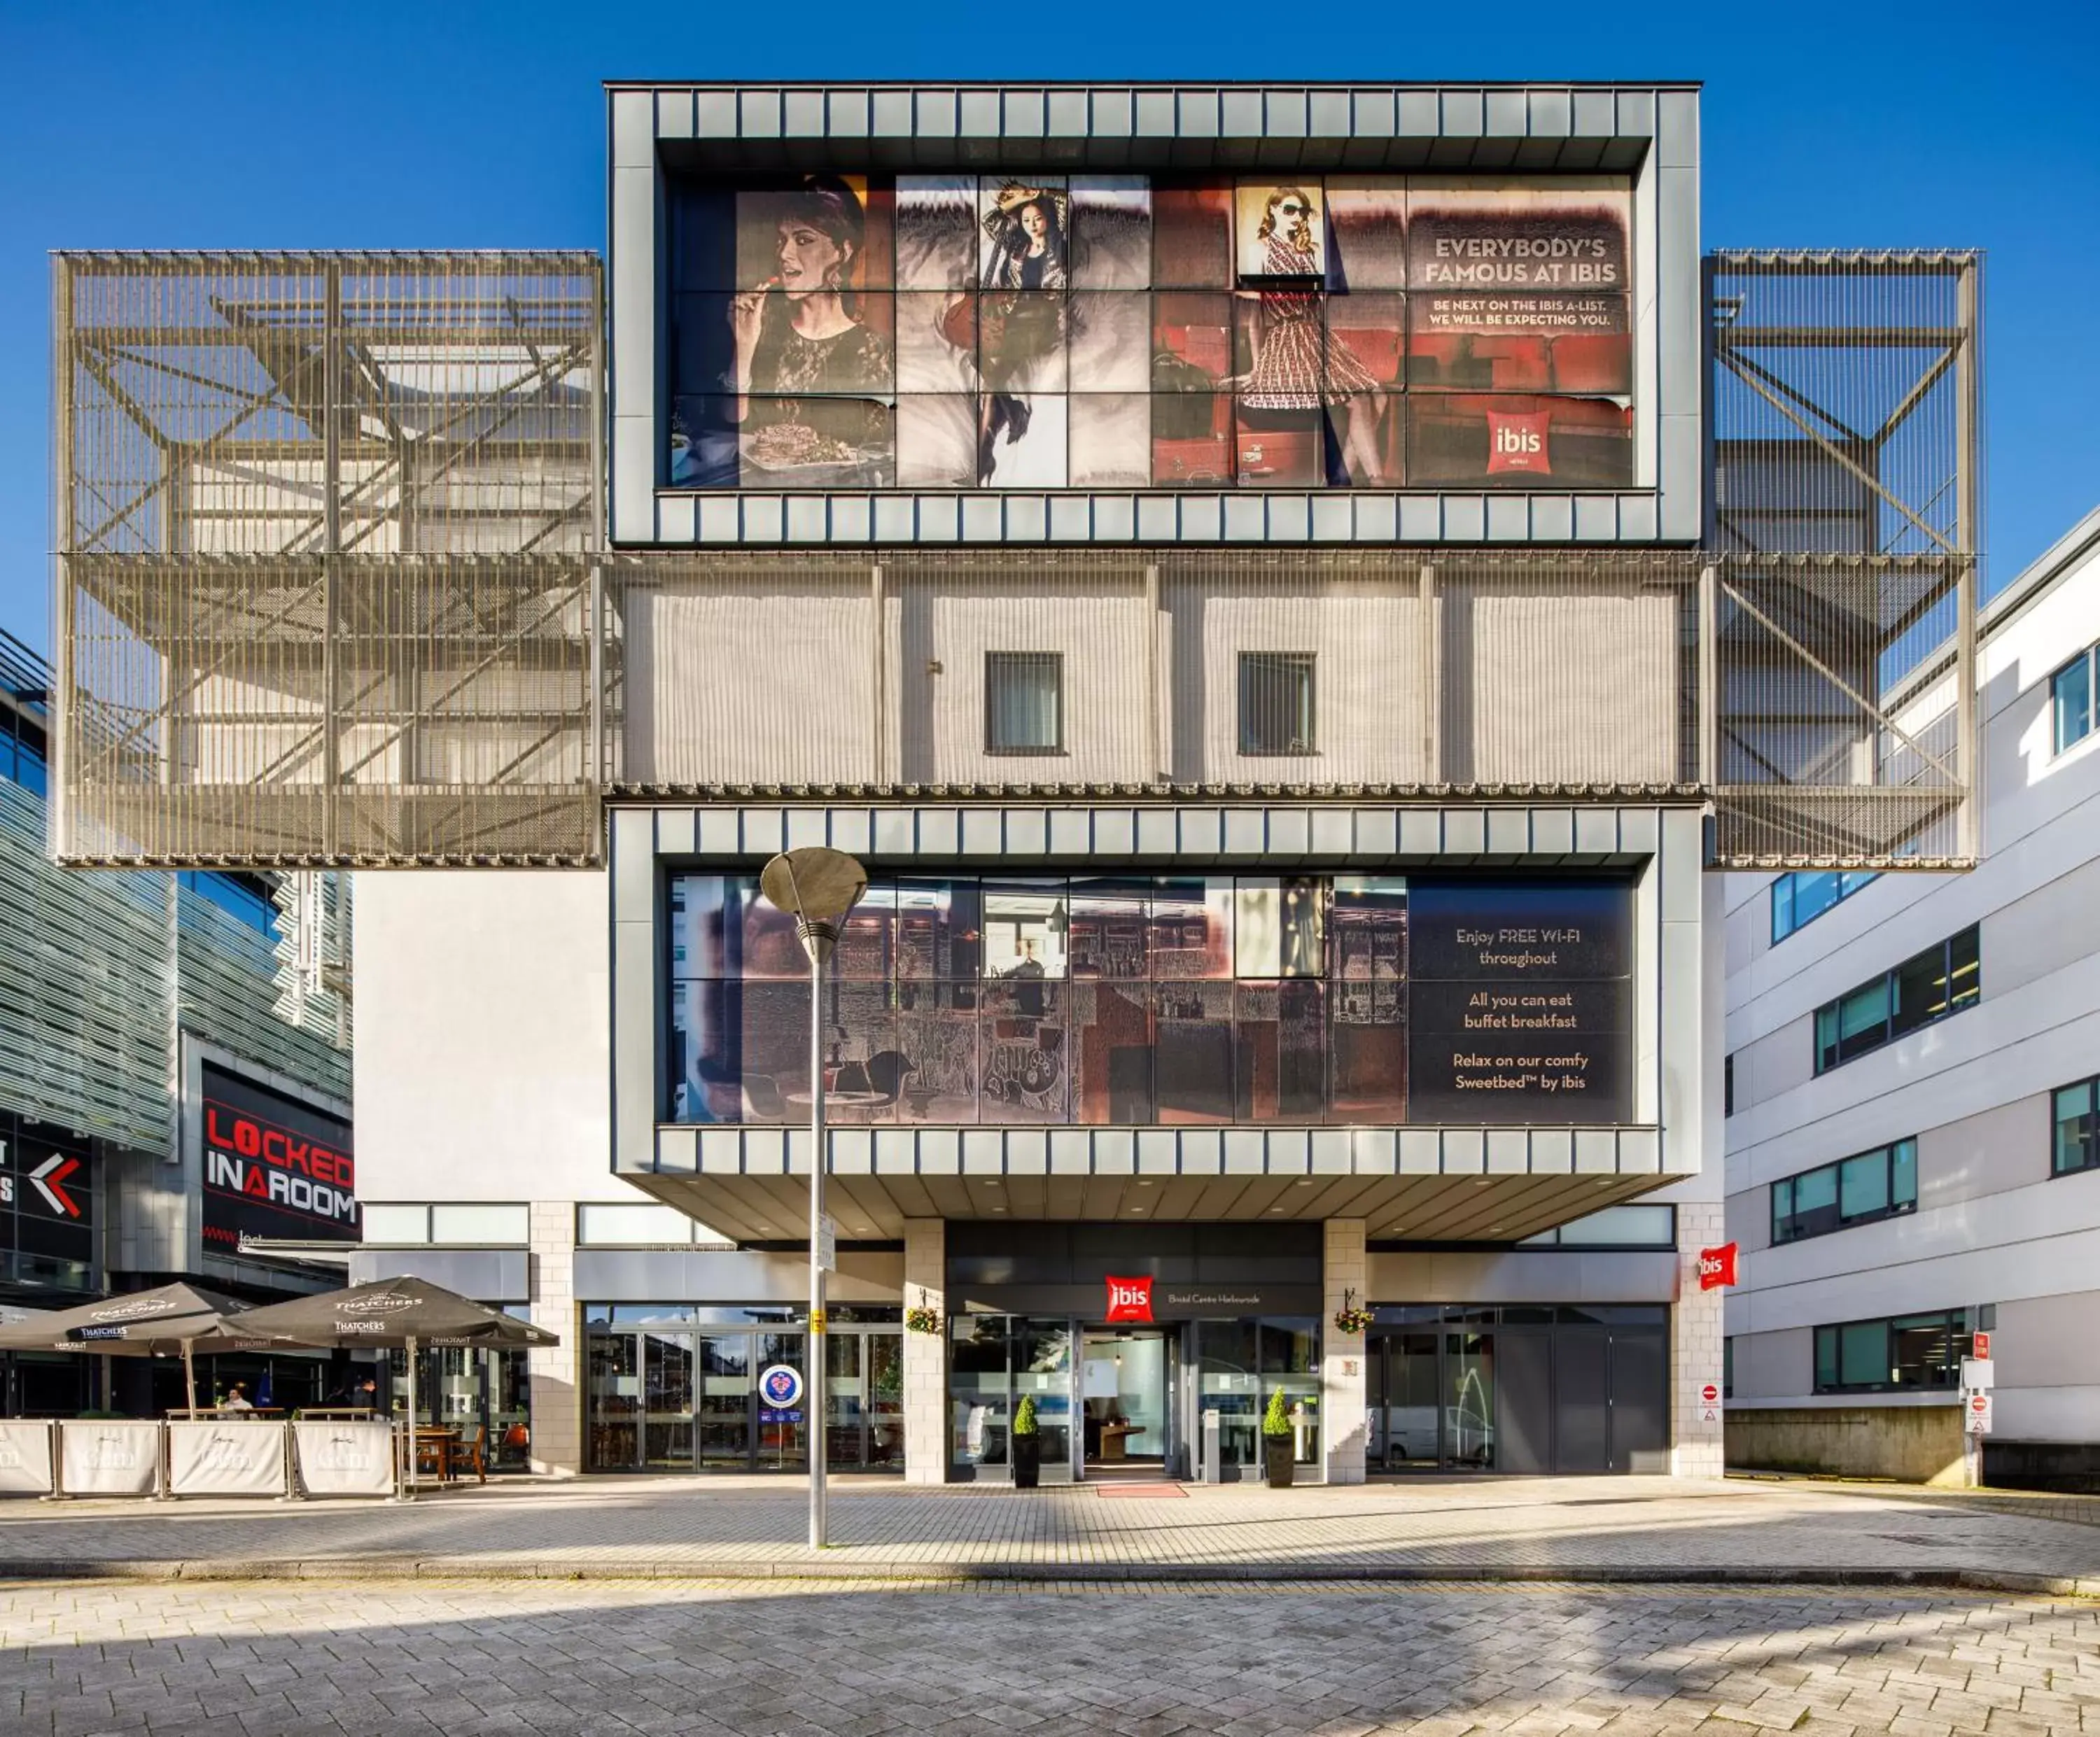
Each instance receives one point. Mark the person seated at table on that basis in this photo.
(236, 1400)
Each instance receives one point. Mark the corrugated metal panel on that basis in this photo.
(231, 980)
(83, 989)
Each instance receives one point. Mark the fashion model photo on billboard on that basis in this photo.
(1045, 332)
(805, 395)
(1303, 408)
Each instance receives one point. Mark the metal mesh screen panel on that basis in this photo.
(325, 589)
(1427, 673)
(1825, 753)
(1845, 414)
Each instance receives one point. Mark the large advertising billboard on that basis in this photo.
(1127, 331)
(1520, 1002)
(273, 1166)
(1189, 999)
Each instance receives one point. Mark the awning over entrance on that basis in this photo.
(770, 1203)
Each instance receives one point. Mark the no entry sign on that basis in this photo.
(1978, 1409)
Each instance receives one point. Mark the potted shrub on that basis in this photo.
(1027, 1447)
(1279, 1442)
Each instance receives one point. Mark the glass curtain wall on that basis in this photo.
(1517, 1388)
(1094, 1000)
(483, 1395)
(1240, 1363)
(994, 1361)
(676, 1388)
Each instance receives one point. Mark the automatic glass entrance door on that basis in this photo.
(1127, 1378)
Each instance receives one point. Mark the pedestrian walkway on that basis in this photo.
(830, 1659)
(1615, 1528)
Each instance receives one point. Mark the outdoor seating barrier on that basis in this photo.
(225, 1457)
(59, 1458)
(347, 1456)
(25, 1457)
(109, 1457)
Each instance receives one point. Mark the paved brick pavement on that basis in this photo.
(1576, 1527)
(714, 1659)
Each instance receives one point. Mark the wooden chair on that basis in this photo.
(472, 1449)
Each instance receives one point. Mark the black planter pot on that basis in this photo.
(1282, 1451)
(1027, 1462)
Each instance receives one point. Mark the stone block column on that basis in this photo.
(556, 1373)
(1696, 1448)
(1343, 1416)
(926, 1353)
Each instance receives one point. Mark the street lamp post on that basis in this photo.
(817, 887)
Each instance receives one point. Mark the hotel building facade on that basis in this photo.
(1290, 593)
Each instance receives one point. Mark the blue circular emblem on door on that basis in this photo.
(779, 1385)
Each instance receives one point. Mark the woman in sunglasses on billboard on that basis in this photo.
(1288, 372)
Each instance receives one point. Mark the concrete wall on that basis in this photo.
(1913, 1444)
(484, 1055)
(926, 1353)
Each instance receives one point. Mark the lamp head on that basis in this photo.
(816, 886)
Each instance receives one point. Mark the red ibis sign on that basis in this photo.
(1980, 1346)
(1717, 1266)
(1130, 1299)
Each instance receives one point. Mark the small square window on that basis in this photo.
(1276, 703)
(2071, 693)
(1024, 703)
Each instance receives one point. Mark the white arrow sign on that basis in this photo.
(46, 1177)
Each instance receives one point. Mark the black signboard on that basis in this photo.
(1520, 1005)
(272, 1166)
(46, 1206)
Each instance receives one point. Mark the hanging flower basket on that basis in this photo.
(924, 1318)
(1349, 1319)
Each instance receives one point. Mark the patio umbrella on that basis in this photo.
(389, 1313)
(168, 1320)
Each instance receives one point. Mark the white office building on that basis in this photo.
(1911, 1148)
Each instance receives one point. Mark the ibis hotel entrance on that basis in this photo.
(1125, 1335)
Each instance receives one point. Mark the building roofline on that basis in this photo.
(1152, 84)
(2041, 576)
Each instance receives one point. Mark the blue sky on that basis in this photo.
(384, 124)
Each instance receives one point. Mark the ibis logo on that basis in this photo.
(1520, 442)
(1130, 1299)
(1717, 1266)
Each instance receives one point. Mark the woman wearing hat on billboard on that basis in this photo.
(1023, 314)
